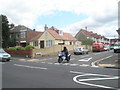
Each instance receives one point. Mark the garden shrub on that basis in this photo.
(12, 48)
(20, 48)
(29, 47)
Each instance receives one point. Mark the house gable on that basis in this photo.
(46, 36)
(80, 35)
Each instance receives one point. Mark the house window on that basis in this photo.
(60, 32)
(49, 43)
(23, 34)
(70, 43)
(35, 43)
(17, 36)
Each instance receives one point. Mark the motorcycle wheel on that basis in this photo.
(60, 60)
(68, 59)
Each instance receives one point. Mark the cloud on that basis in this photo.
(101, 13)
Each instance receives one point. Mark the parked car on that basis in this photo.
(80, 50)
(97, 47)
(4, 56)
(111, 47)
(117, 47)
(106, 48)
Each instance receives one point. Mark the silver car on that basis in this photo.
(80, 50)
(4, 56)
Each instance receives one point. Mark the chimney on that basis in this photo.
(33, 29)
(86, 27)
(46, 27)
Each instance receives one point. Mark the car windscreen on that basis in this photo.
(2, 51)
(78, 49)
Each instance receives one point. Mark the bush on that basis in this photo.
(20, 48)
(29, 47)
(12, 48)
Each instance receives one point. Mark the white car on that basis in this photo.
(80, 50)
(106, 48)
(117, 47)
(4, 56)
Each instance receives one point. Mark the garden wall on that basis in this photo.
(20, 53)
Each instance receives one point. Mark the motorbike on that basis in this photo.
(62, 57)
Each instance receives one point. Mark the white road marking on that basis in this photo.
(101, 86)
(81, 81)
(85, 65)
(65, 64)
(75, 72)
(57, 63)
(85, 59)
(50, 63)
(72, 59)
(97, 79)
(30, 66)
(96, 53)
(42, 62)
(93, 63)
(73, 64)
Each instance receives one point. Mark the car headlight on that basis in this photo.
(1, 55)
(9, 55)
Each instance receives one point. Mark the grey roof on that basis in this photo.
(18, 28)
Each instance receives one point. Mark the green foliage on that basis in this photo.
(20, 48)
(29, 47)
(87, 42)
(12, 48)
(5, 31)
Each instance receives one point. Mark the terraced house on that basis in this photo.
(85, 34)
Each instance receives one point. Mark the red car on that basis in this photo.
(97, 47)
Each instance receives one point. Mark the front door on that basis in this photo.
(41, 44)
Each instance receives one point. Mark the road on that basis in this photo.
(47, 73)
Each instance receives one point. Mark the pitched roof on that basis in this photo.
(55, 33)
(36, 36)
(18, 28)
(91, 34)
(33, 35)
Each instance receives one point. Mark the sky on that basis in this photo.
(99, 16)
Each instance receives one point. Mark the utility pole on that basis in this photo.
(0, 31)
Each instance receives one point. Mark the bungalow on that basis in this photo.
(51, 37)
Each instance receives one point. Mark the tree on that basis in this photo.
(5, 32)
(87, 42)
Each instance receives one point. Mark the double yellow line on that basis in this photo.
(93, 63)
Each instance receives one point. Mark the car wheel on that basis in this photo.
(8, 59)
(74, 53)
(114, 51)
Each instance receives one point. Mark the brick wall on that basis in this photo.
(20, 53)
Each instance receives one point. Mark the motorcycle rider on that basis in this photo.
(65, 50)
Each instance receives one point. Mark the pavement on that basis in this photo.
(113, 62)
